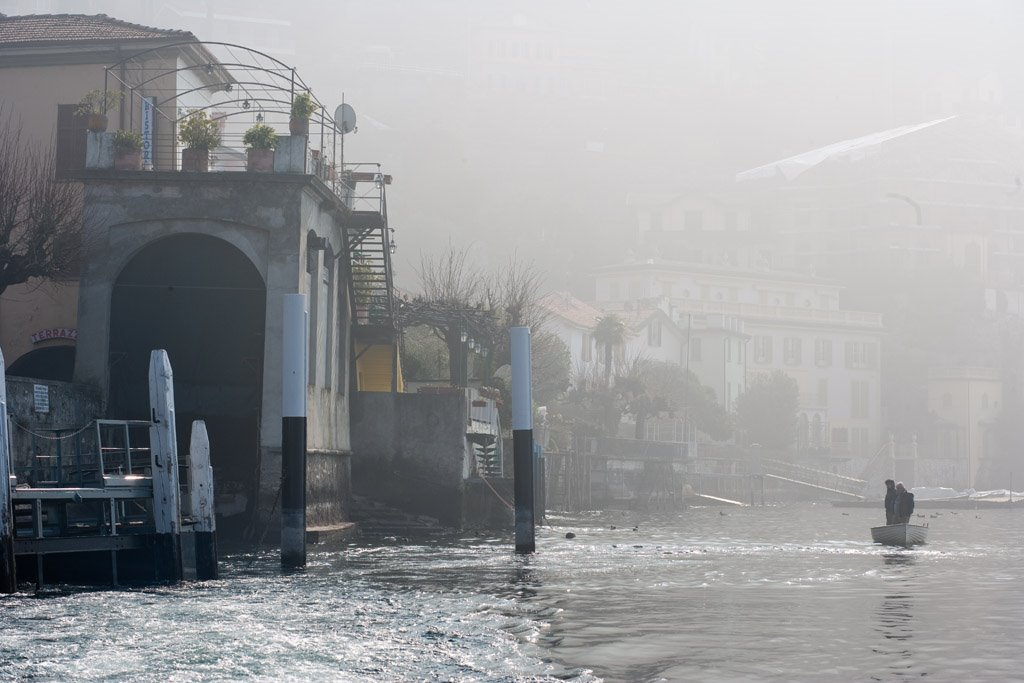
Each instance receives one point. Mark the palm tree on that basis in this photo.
(609, 332)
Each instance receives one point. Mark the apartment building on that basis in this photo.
(744, 322)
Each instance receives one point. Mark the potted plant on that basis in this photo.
(303, 107)
(127, 151)
(95, 105)
(199, 134)
(260, 141)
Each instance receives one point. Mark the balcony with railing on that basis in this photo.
(225, 108)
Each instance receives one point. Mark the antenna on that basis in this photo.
(344, 122)
(345, 118)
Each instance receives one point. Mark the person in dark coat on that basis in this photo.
(904, 506)
(890, 501)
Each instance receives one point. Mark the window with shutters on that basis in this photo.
(859, 407)
(762, 349)
(71, 140)
(695, 349)
(823, 353)
(654, 333)
(791, 350)
(861, 355)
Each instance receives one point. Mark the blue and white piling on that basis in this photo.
(8, 574)
(522, 438)
(293, 432)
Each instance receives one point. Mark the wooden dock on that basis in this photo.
(127, 520)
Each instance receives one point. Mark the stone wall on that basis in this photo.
(269, 219)
(409, 451)
(71, 407)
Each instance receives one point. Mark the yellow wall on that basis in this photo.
(28, 308)
(30, 94)
(373, 368)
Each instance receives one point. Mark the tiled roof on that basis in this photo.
(41, 29)
(569, 308)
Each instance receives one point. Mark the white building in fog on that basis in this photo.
(741, 322)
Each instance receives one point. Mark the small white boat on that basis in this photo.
(900, 534)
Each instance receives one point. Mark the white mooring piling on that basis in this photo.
(293, 431)
(163, 443)
(200, 487)
(522, 438)
(8, 574)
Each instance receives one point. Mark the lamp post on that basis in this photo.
(462, 360)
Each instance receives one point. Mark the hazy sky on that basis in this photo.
(525, 125)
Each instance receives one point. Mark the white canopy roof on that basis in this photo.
(853, 150)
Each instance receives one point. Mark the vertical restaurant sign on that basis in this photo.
(148, 105)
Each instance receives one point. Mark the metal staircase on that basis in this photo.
(487, 455)
(368, 243)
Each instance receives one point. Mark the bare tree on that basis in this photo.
(451, 279)
(452, 304)
(516, 293)
(40, 216)
(460, 301)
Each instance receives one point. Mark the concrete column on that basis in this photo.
(522, 439)
(8, 575)
(293, 431)
(163, 444)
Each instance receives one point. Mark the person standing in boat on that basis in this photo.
(890, 501)
(904, 505)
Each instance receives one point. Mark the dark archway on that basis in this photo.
(203, 301)
(52, 362)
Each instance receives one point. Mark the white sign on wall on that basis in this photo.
(41, 398)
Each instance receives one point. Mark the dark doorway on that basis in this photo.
(53, 363)
(203, 301)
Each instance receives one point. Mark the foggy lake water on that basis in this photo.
(756, 594)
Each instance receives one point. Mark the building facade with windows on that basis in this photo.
(744, 322)
(47, 64)
(967, 401)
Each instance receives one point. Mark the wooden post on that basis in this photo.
(8, 574)
(522, 439)
(163, 444)
(200, 487)
(294, 365)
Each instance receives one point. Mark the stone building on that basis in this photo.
(48, 62)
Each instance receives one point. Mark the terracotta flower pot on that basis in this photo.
(260, 160)
(196, 160)
(128, 161)
(298, 126)
(97, 123)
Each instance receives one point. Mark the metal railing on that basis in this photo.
(815, 478)
(123, 448)
(57, 457)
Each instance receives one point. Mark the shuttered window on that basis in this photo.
(70, 140)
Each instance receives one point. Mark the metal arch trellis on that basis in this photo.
(262, 79)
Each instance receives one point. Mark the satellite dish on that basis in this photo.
(345, 118)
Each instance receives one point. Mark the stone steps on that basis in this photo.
(376, 519)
